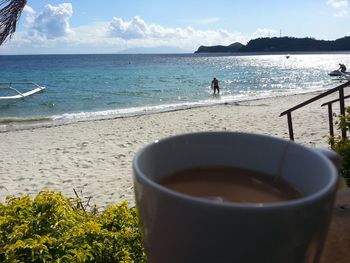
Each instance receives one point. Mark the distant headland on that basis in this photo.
(281, 44)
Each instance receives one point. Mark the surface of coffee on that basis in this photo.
(229, 184)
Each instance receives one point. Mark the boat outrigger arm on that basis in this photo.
(19, 94)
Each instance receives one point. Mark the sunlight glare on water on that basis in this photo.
(101, 86)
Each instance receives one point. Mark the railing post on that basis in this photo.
(290, 126)
(342, 110)
(330, 118)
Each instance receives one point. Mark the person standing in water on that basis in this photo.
(215, 86)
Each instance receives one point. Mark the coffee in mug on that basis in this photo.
(230, 184)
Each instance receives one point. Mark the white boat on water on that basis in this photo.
(19, 89)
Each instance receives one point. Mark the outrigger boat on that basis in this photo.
(19, 90)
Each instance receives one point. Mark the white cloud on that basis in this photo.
(30, 15)
(338, 3)
(49, 31)
(27, 9)
(138, 29)
(134, 29)
(340, 7)
(264, 32)
(52, 23)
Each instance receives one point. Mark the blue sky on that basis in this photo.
(113, 26)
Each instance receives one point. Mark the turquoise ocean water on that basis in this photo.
(89, 87)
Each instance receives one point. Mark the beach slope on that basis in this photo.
(95, 157)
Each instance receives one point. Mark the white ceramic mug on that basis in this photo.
(179, 228)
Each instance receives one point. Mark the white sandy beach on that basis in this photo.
(95, 157)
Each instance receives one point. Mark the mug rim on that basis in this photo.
(327, 189)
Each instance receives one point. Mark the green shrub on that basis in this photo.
(342, 146)
(53, 228)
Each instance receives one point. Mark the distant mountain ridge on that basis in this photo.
(281, 44)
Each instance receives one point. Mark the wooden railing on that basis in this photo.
(341, 99)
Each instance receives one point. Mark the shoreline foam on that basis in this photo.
(22, 123)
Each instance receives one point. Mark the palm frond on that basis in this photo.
(9, 15)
